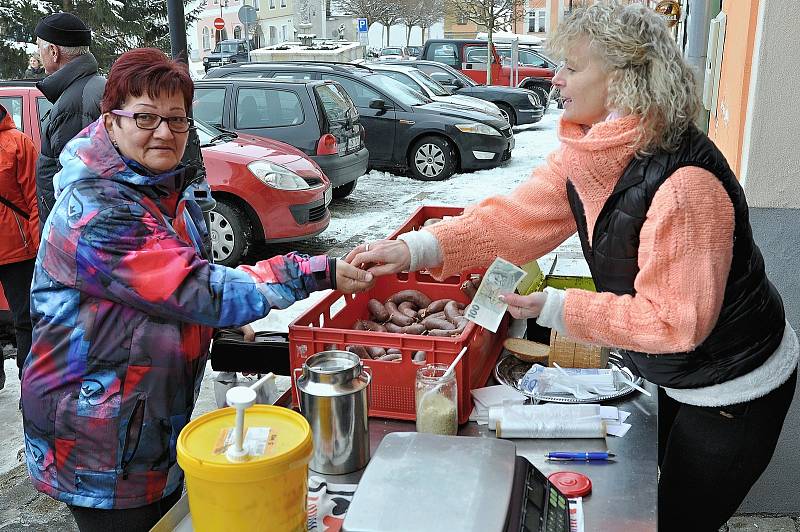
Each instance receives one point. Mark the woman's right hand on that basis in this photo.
(381, 257)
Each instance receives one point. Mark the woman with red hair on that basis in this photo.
(124, 302)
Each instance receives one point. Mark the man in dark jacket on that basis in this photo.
(75, 89)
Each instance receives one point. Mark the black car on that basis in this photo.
(316, 117)
(404, 130)
(227, 51)
(521, 105)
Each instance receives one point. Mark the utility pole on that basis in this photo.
(192, 157)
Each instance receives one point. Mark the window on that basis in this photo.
(461, 19)
(220, 35)
(43, 107)
(237, 32)
(283, 3)
(272, 4)
(476, 54)
(209, 104)
(358, 92)
(335, 102)
(536, 20)
(404, 79)
(13, 105)
(206, 39)
(446, 53)
(284, 32)
(265, 108)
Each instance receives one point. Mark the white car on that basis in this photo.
(422, 83)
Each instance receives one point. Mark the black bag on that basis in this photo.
(268, 353)
(14, 208)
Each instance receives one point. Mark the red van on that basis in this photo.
(469, 56)
(266, 191)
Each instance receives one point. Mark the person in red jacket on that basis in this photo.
(19, 229)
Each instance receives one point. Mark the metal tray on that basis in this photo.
(510, 370)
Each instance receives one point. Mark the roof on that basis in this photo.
(26, 83)
(281, 81)
(257, 65)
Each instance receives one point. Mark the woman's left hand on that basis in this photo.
(352, 280)
(522, 307)
(248, 332)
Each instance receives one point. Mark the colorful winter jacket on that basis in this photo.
(19, 237)
(123, 304)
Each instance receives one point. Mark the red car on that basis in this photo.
(265, 190)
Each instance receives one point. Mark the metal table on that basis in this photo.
(624, 494)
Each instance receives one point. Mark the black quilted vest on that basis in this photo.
(751, 323)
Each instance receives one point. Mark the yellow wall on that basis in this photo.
(727, 128)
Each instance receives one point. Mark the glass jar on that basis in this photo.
(436, 400)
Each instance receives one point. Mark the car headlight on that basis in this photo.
(533, 99)
(205, 60)
(477, 128)
(276, 176)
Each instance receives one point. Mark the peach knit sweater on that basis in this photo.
(685, 249)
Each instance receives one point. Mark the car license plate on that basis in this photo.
(328, 195)
(353, 143)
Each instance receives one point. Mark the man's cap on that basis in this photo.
(63, 29)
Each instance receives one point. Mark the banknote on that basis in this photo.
(486, 309)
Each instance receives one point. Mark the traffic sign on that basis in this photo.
(362, 25)
(219, 24)
(247, 15)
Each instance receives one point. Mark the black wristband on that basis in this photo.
(332, 272)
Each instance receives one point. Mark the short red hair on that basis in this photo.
(146, 70)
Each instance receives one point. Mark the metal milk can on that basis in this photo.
(333, 398)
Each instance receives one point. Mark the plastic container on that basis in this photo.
(266, 491)
(436, 399)
(327, 325)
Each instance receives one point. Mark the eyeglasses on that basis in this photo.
(176, 124)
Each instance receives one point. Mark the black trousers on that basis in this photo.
(128, 520)
(16, 280)
(710, 457)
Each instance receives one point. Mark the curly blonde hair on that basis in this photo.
(648, 75)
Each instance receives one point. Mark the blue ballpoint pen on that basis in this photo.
(579, 456)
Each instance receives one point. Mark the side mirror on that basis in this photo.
(377, 103)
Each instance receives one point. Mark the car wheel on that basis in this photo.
(508, 114)
(432, 159)
(231, 233)
(542, 94)
(344, 190)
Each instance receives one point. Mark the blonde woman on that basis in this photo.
(664, 227)
(35, 69)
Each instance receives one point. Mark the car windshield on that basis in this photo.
(337, 104)
(226, 48)
(397, 90)
(391, 51)
(423, 79)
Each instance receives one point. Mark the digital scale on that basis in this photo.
(429, 483)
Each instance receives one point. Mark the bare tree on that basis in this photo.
(367, 9)
(420, 13)
(388, 14)
(494, 15)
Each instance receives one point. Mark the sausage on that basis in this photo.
(469, 289)
(359, 350)
(378, 310)
(436, 306)
(453, 310)
(437, 323)
(419, 356)
(393, 350)
(408, 308)
(451, 332)
(375, 352)
(390, 357)
(439, 314)
(414, 328)
(415, 296)
(397, 317)
(368, 325)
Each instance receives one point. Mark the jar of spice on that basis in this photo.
(436, 400)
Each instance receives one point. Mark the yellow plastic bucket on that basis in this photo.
(268, 491)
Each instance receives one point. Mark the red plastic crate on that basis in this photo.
(327, 325)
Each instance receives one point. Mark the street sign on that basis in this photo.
(363, 38)
(362, 25)
(219, 24)
(247, 15)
